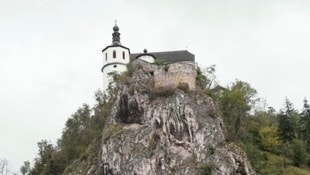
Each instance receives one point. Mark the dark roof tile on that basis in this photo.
(169, 56)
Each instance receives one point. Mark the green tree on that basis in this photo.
(299, 152)
(25, 168)
(80, 137)
(206, 78)
(44, 163)
(269, 137)
(306, 123)
(288, 122)
(101, 110)
(254, 124)
(76, 135)
(235, 104)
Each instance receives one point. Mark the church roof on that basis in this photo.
(169, 56)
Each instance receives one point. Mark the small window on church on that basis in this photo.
(115, 66)
(106, 56)
(114, 54)
(123, 55)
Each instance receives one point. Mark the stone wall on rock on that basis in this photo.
(170, 76)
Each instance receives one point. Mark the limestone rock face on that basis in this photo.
(167, 132)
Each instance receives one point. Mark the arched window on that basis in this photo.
(114, 54)
(106, 56)
(123, 55)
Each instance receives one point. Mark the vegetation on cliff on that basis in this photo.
(81, 132)
(275, 142)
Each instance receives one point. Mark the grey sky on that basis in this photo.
(50, 53)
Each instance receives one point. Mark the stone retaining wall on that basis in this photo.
(170, 76)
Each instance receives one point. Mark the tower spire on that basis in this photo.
(116, 35)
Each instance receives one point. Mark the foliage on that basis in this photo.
(112, 131)
(25, 168)
(279, 140)
(4, 170)
(305, 124)
(45, 163)
(206, 78)
(82, 131)
(201, 79)
(288, 122)
(275, 142)
(159, 61)
(235, 103)
(269, 137)
(77, 133)
(299, 152)
(122, 78)
(254, 124)
(263, 162)
(291, 170)
(266, 163)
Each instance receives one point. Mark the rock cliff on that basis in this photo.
(155, 130)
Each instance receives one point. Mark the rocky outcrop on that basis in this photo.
(171, 131)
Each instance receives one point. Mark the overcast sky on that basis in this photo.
(50, 54)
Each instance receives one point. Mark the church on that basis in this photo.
(116, 57)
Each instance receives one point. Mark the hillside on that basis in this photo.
(147, 125)
(164, 130)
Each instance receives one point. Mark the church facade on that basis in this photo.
(116, 57)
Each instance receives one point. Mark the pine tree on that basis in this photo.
(306, 122)
(287, 125)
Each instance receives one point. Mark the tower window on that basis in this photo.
(123, 55)
(106, 56)
(114, 54)
(115, 66)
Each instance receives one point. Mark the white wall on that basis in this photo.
(147, 58)
(110, 68)
(119, 55)
(119, 62)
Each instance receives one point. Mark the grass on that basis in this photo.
(291, 170)
(159, 61)
(266, 163)
(288, 170)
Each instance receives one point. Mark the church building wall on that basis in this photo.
(180, 72)
(108, 55)
(110, 69)
(114, 62)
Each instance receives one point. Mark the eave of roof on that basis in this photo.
(116, 46)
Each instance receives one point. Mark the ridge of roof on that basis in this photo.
(164, 52)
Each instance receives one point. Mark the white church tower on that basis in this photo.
(115, 58)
